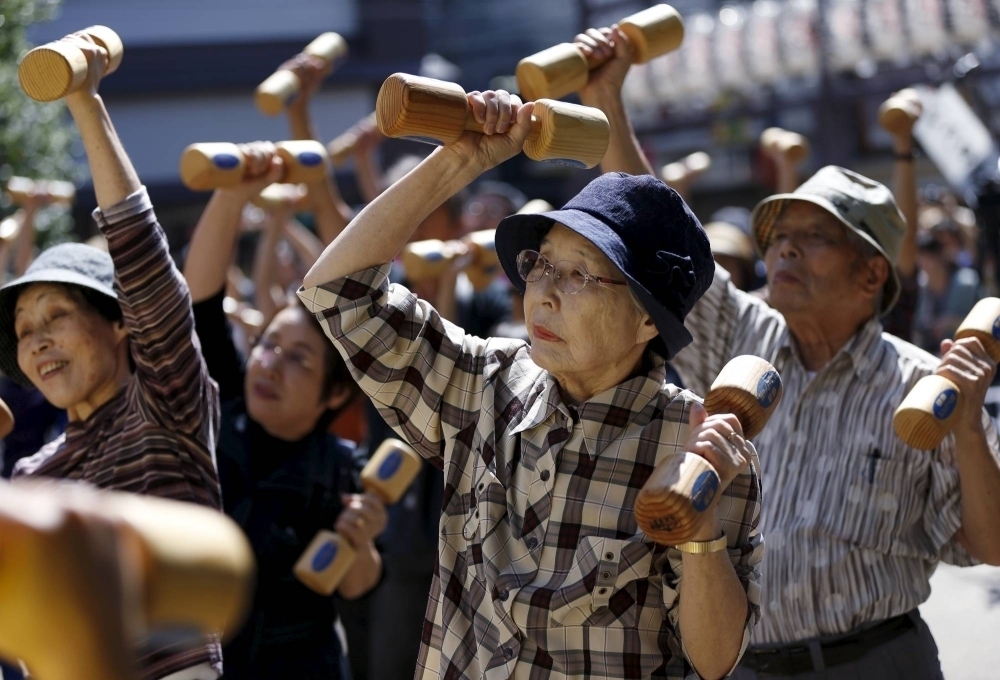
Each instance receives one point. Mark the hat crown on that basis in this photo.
(76, 257)
(665, 247)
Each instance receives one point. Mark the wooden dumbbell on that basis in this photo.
(183, 567)
(438, 112)
(670, 505)
(329, 556)
(342, 147)
(899, 112)
(53, 70)
(791, 145)
(214, 165)
(283, 196)
(563, 69)
(425, 260)
(927, 413)
(21, 190)
(281, 87)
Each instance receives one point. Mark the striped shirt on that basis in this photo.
(856, 521)
(157, 435)
(542, 570)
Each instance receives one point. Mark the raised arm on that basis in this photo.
(331, 212)
(380, 231)
(604, 92)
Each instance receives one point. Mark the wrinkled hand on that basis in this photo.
(966, 363)
(506, 123)
(311, 72)
(610, 50)
(97, 65)
(263, 167)
(719, 440)
(362, 519)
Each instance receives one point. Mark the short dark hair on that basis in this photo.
(335, 370)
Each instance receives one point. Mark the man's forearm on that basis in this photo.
(979, 476)
(114, 177)
(380, 231)
(624, 153)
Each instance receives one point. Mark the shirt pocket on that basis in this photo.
(603, 585)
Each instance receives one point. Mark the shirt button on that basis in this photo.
(602, 591)
(609, 556)
(545, 475)
(508, 653)
(606, 575)
(504, 594)
(532, 543)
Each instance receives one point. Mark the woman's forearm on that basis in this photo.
(363, 575)
(624, 153)
(380, 231)
(211, 247)
(713, 610)
(114, 177)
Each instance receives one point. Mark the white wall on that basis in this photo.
(156, 129)
(178, 22)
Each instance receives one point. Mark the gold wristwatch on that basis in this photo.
(704, 547)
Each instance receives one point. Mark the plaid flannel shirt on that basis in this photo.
(542, 570)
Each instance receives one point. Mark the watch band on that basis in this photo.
(704, 547)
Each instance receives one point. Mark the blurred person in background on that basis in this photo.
(948, 292)
(490, 202)
(111, 339)
(733, 250)
(284, 476)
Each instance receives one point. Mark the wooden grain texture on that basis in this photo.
(563, 69)
(927, 413)
(653, 32)
(983, 322)
(325, 562)
(51, 71)
(391, 471)
(671, 504)
(425, 109)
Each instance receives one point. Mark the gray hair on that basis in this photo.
(865, 251)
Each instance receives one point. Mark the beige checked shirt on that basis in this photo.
(856, 521)
(543, 572)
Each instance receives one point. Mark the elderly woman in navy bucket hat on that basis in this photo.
(542, 569)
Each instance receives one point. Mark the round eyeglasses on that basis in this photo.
(570, 278)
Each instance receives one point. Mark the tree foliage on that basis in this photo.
(36, 139)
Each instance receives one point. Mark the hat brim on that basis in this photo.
(8, 298)
(767, 212)
(526, 232)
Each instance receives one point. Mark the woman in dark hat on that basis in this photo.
(542, 570)
(111, 340)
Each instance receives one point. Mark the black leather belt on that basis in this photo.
(800, 657)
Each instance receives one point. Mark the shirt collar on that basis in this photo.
(863, 350)
(605, 416)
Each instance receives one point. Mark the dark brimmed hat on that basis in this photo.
(72, 264)
(646, 230)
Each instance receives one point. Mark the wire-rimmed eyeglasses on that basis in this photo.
(569, 277)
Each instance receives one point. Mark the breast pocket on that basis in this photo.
(602, 587)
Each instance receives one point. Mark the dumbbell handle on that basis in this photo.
(280, 89)
(671, 504)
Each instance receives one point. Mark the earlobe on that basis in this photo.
(339, 398)
(647, 331)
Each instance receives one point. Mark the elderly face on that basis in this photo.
(72, 354)
(813, 267)
(284, 377)
(589, 341)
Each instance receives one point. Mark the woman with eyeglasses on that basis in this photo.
(284, 477)
(542, 569)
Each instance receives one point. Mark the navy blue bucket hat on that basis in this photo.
(646, 230)
(74, 264)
